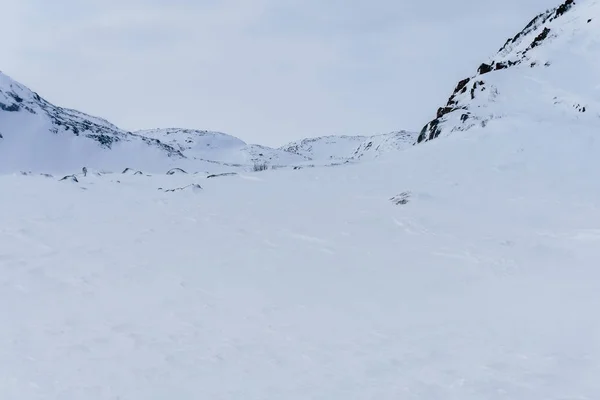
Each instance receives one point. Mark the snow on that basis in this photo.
(312, 283)
(350, 148)
(462, 268)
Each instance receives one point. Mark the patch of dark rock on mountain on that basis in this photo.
(540, 38)
(104, 140)
(484, 69)
(10, 108)
(563, 8)
(462, 85)
(443, 111)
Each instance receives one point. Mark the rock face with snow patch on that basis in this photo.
(546, 71)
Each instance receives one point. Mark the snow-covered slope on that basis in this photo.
(466, 269)
(547, 72)
(342, 148)
(389, 143)
(35, 134)
(326, 147)
(474, 276)
(220, 147)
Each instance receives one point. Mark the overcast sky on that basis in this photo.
(267, 71)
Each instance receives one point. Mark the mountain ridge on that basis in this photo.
(30, 123)
(529, 58)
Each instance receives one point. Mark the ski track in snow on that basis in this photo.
(308, 284)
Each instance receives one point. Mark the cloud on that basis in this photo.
(266, 70)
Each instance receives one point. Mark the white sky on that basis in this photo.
(267, 71)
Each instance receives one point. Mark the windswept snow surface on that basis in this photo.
(313, 284)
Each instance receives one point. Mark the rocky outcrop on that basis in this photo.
(515, 52)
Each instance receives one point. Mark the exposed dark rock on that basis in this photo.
(220, 175)
(563, 8)
(462, 85)
(70, 178)
(540, 38)
(443, 111)
(10, 107)
(401, 199)
(484, 69)
(176, 171)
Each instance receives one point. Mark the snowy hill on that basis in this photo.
(546, 72)
(35, 134)
(325, 147)
(342, 148)
(220, 147)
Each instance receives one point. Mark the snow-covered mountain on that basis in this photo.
(547, 72)
(220, 147)
(35, 134)
(342, 148)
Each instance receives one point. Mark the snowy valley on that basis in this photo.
(459, 264)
